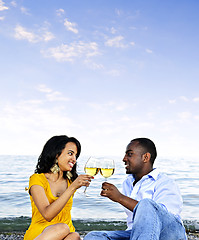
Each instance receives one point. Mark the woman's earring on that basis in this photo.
(55, 168)
(69, 175)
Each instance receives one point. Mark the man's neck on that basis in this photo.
(138, 177)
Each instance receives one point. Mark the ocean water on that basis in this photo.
(90, 211)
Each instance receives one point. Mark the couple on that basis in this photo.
(151, 199)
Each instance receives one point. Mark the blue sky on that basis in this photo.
(102, 71)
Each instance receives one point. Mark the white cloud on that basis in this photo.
(122, 106)
(167, 126)
(110, 106)
(132, 28)
(60, 12)
(56, 96)
(24, 11)
(118, 12)
(196, 99)
(92, 65)
(115, 42)
(70, 26)
(2, 6)
(50, 94)
(47, 36)
(132, 43)
(68, 53)
(32, 124)
(125, 119)
(95, 127)
(43, 88)
(22, 34)
(114, 72)
(34, 102)
(113, 30)
(2, 18)
(184, 115)
(172, 101)
(149, 51)
(102, 106)
(13, 3)
(144, 125)
(96, 106)
(183, 98)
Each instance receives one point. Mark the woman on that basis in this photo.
(51, 190)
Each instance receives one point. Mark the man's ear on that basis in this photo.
(146, 157)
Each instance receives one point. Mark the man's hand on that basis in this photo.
(109, 190)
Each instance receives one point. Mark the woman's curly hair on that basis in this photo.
(53, 149)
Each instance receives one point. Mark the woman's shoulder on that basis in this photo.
(38, 179)
(37, 175)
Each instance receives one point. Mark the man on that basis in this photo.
(151, 200)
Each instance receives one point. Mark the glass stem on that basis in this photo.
(85, 190)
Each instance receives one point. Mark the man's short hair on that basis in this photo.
(148, 146)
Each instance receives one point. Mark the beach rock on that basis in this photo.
(19, 236)
(11, 236)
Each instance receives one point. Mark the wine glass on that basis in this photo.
(107, 167)
(91, 167)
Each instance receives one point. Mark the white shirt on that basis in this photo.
(156, 186)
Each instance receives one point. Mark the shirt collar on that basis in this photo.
(153, 174)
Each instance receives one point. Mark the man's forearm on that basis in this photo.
(127, 202)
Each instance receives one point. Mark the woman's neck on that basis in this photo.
(54, 177)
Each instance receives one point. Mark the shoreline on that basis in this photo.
(19, 235)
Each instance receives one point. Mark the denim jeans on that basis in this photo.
(150, 222)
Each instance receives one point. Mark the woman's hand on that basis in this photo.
(82, 180)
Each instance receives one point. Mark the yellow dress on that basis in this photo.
(39, 223)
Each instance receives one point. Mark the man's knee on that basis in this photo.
(146, 203)
(145, 208)
(95, 235)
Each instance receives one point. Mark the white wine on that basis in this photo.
(107, 172)
(91, 171)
